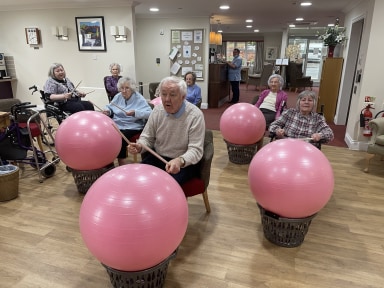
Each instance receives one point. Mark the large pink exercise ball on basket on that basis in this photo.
(133, 217)
(242, 124)
(87, 140)
(291, 178)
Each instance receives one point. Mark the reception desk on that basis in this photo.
(218, 85)
(6, 88)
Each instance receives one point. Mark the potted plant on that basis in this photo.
(332, 36)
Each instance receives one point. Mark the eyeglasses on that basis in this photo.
(126, 89)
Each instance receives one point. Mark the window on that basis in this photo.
(247, 51)
(310, 54)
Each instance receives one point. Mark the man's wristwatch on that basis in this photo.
(182, 161)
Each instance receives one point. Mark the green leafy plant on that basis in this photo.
(333, 36)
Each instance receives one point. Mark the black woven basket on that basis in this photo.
(85, 178)
(240, 154)
(153, 277)
(285, 232)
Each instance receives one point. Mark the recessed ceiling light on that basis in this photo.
(219, 31)
(249, 26)
(299, 19)
(224, 7)
(256, 30)
(249, 20)
(154, 9)
(292, 25)
(305, 3)
(331, 25)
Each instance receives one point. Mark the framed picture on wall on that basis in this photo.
(90, 33)
(271, 53)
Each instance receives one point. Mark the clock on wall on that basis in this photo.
(32, 35)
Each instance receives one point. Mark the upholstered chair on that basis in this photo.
(376, 143)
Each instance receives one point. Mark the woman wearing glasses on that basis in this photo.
(129, 110)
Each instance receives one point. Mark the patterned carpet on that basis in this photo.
(212, 115)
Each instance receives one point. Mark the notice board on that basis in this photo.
(187, 52)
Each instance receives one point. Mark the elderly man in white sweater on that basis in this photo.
(175, 130)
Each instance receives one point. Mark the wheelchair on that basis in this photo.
(55, 115)
(273, 137)
(17, 140)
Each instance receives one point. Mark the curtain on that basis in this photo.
(259, 58)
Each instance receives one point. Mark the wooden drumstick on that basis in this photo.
(95, 105)
(74, 89)
(113, 104)
(89, 92)
(143, 145)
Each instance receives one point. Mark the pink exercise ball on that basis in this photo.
(242, 124)
(133, 217)
(291, 178)
(156, 101)
(87, 140)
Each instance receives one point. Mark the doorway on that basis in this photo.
(350, 85)
(311, 55)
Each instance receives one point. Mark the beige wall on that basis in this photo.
(371, 46)
(90, 67)
(150, 44)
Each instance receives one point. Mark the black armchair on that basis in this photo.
(152, 89)
(295, 77)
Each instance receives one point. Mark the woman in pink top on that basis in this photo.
(272, 100)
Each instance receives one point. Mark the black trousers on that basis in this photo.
(235, 91)
(269, 116)
(183, 176)
(128, 134)
(76, 105)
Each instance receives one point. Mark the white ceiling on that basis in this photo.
(267, 15)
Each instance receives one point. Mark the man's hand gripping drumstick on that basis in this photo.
(135, 148)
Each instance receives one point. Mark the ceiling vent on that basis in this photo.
(305, 23)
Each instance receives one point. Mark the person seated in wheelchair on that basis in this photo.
(129, 110)
(59, 89)
(301, 122)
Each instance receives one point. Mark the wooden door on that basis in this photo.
(329, 87)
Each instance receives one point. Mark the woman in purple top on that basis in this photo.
(272, 100)
(110, 82)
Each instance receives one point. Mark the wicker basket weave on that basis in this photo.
(153, 277)
(85, 178)
(9, 184)
(285, 232)
(240, 154)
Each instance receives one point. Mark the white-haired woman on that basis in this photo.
(110, 82)
(129, 110)
(272, 100)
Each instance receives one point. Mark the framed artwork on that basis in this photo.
(90, 33)
(271, 53)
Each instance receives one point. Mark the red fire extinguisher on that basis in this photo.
(367, 115)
